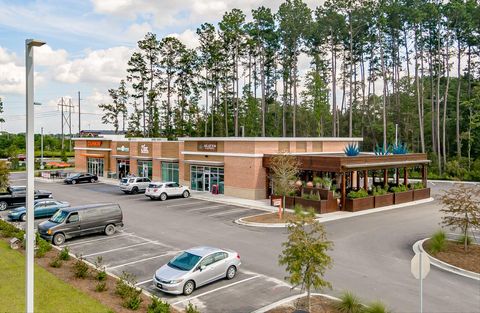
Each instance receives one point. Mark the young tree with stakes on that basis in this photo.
(462, 209)
(284, 168)
(305, 253)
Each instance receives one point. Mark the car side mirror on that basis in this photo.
(201, 267)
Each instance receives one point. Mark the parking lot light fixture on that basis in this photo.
(30, 234)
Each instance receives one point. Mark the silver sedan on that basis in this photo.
(196, 267)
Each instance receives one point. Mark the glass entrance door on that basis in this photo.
(206, 179)
(202, 178)
(95, 166)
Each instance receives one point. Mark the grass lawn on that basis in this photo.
(51, 294)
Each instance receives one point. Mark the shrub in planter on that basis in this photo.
(314, 197)
(318, 181)
(80, 268)
(101, 275)
(191, 308)
(359, 200)
(361, 193)
(158, 306)
(133, 301)
(399, 188)
(42, 247)
(56, 263)
(379, 191)
(438, 242)
(375, 307)
(417, 185)
(101, 286)
(349, 303)
(64, 255)
(126, 289)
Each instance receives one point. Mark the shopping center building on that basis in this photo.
(233, 165)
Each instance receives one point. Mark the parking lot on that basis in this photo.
(141, 254)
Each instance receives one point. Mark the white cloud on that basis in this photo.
(98, 66)
(187, 37)
(46, 56)
(138, 31)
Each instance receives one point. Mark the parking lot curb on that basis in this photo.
(226, 201)
(241, 221)
(418, 247)
(290, 299)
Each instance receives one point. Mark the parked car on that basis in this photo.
(82, 220)
(42, 208)
(81, 178)
(196, 267)
(163, 191)
(16, 195)
(134, 184)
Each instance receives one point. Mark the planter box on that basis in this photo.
(289, 202)
(325, 194)
(354, 205)
(403, 197)
(383, 200)
(331, 205)
(315, 204)
(419, 194)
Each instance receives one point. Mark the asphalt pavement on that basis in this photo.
(371, 252)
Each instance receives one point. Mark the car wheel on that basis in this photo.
(92, 180)
(3, 205)
(110, 230)
(163, 196)
(231, 272)
(74, 182)
(134, 190)
(186, 194)
(23, 217)
(188, 288)
(58, 239)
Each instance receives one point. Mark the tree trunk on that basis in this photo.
(438, 108)
(262, 78)
(419, 108)
(382, 61)
(206, 101)
(334, 89)
(294, 99)
(351, 74)
(459, 81)
(445, 100)
(236, 99)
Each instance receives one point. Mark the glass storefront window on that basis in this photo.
(145, 168)
(95, 166)
(202, 178)
(123, 168)
(169, 172)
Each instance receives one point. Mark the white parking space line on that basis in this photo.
(180, 204)
(118, 249)
(143, 260)
(228, 212)
(217, 289)
(144, 282)
(206, 208)
(94, 240)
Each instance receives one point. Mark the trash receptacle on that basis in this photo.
(215, 189)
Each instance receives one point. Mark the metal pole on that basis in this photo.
(396, 134)
(30, 239)
(79, 124)
(421, 283)
(41, 147)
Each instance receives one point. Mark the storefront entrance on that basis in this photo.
(123, 168)
(202, 178)
(145, 169)
(95, 166)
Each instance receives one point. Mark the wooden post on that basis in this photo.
(405, 176)
(365, 179)
(385, 177)
(358, 179)
(344, 190)
(424, 176)
(397, 175)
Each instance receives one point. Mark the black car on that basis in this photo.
(81, 178)
(16, 196)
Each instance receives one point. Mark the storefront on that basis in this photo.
(169, 171)
(205, 178)
(121, 159)
(95, 166)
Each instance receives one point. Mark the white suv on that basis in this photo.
(163, 190)
(134, 184)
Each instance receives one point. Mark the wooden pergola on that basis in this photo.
(349, 169)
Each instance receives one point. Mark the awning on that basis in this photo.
(120, 156)
(91, 155)
(385, 164)
(167, 159)
(216, 163)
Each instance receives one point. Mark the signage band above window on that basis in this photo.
(94, 143)
(207, 146)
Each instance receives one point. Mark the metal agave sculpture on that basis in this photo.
(383, 150)
(351, 149)
(400, 148)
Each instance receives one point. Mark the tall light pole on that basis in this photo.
(30, 240)
(41, 147)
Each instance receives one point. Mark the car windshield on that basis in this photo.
(73, 175)
(124, 180)
(154, 185)
(59, 217)
(185, 261)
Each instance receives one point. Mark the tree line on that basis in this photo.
(373, 65)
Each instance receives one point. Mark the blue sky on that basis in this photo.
(88, 45)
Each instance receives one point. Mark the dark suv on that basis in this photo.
(81, 178)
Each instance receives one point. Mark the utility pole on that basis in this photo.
(41, 147)
(79, 123)
(66, 120)
(63, 135)
(70, 124)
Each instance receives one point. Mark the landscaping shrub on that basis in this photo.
(42, 247)
(461, 240)
(308, 196)
(7, 230)
(437, 242)
(101, 286)
(418, 185)
(349, 303)
(64, 255)
(361, 193)
(158, 306)
(101, 274)
(400, 188)
(379, 191)
(125, 285)
(80, 268)
(191, 308)
(133, 301)
(376, 307)
(56, 263)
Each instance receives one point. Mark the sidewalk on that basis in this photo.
(263, 205)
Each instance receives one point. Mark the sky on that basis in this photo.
(88, 45)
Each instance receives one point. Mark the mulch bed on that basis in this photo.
(270, 218)
(318, 305)
(455, 255)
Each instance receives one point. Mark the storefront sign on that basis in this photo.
(207, 146)
(144, 149)
(123, 148)
(94, 143)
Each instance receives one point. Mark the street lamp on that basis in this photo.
(30, 240)
(41, 155)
